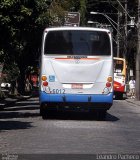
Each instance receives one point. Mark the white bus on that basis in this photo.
(76, 70)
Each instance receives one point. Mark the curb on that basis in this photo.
(133, 101)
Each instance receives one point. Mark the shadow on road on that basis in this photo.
(33, 111)
(16, 114)
(17, 108)
(13, 125)
(23, 109)
(30, 108)
(79, 116)
(110, 117)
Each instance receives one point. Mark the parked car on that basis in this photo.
(5, 85)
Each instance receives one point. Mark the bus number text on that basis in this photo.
(58, 91)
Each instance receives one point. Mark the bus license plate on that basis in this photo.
(77, 86)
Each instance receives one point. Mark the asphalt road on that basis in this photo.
(23, 131)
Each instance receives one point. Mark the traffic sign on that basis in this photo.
(72, 19)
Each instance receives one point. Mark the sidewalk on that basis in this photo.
(130, 100)
(133, 101)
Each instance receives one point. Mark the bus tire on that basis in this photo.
(119, 96)
(43, 112)
(101, 115)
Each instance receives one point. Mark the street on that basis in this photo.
(23, 131)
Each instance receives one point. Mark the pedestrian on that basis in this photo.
(132, 87)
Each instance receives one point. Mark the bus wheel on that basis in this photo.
(119, 96)
(101, 115)
(43, 112)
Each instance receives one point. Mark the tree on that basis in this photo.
(83, 10)
(22, 23)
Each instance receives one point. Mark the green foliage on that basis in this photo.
(11, 72)
(83, 11)
(7, 3)
(21, 25)
(57, 11)
(18, 20)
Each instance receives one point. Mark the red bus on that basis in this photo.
(119, 77)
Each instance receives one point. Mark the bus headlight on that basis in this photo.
(44, 78)
(109, 79)
(107, 88)
(45, 83)
(108, 84)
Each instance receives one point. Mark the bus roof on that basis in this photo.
(76, 28)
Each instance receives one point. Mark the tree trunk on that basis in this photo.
(21, 81)
(1, 69)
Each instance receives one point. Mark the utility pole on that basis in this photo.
(138, 58)
(118, 36)
(125, 45)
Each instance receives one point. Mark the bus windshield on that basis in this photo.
(73, 42)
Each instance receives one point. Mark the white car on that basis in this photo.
(5, 85)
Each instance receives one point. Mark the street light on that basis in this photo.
(95, 23)
(100, 25)
(110, 20)
(105, 16)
